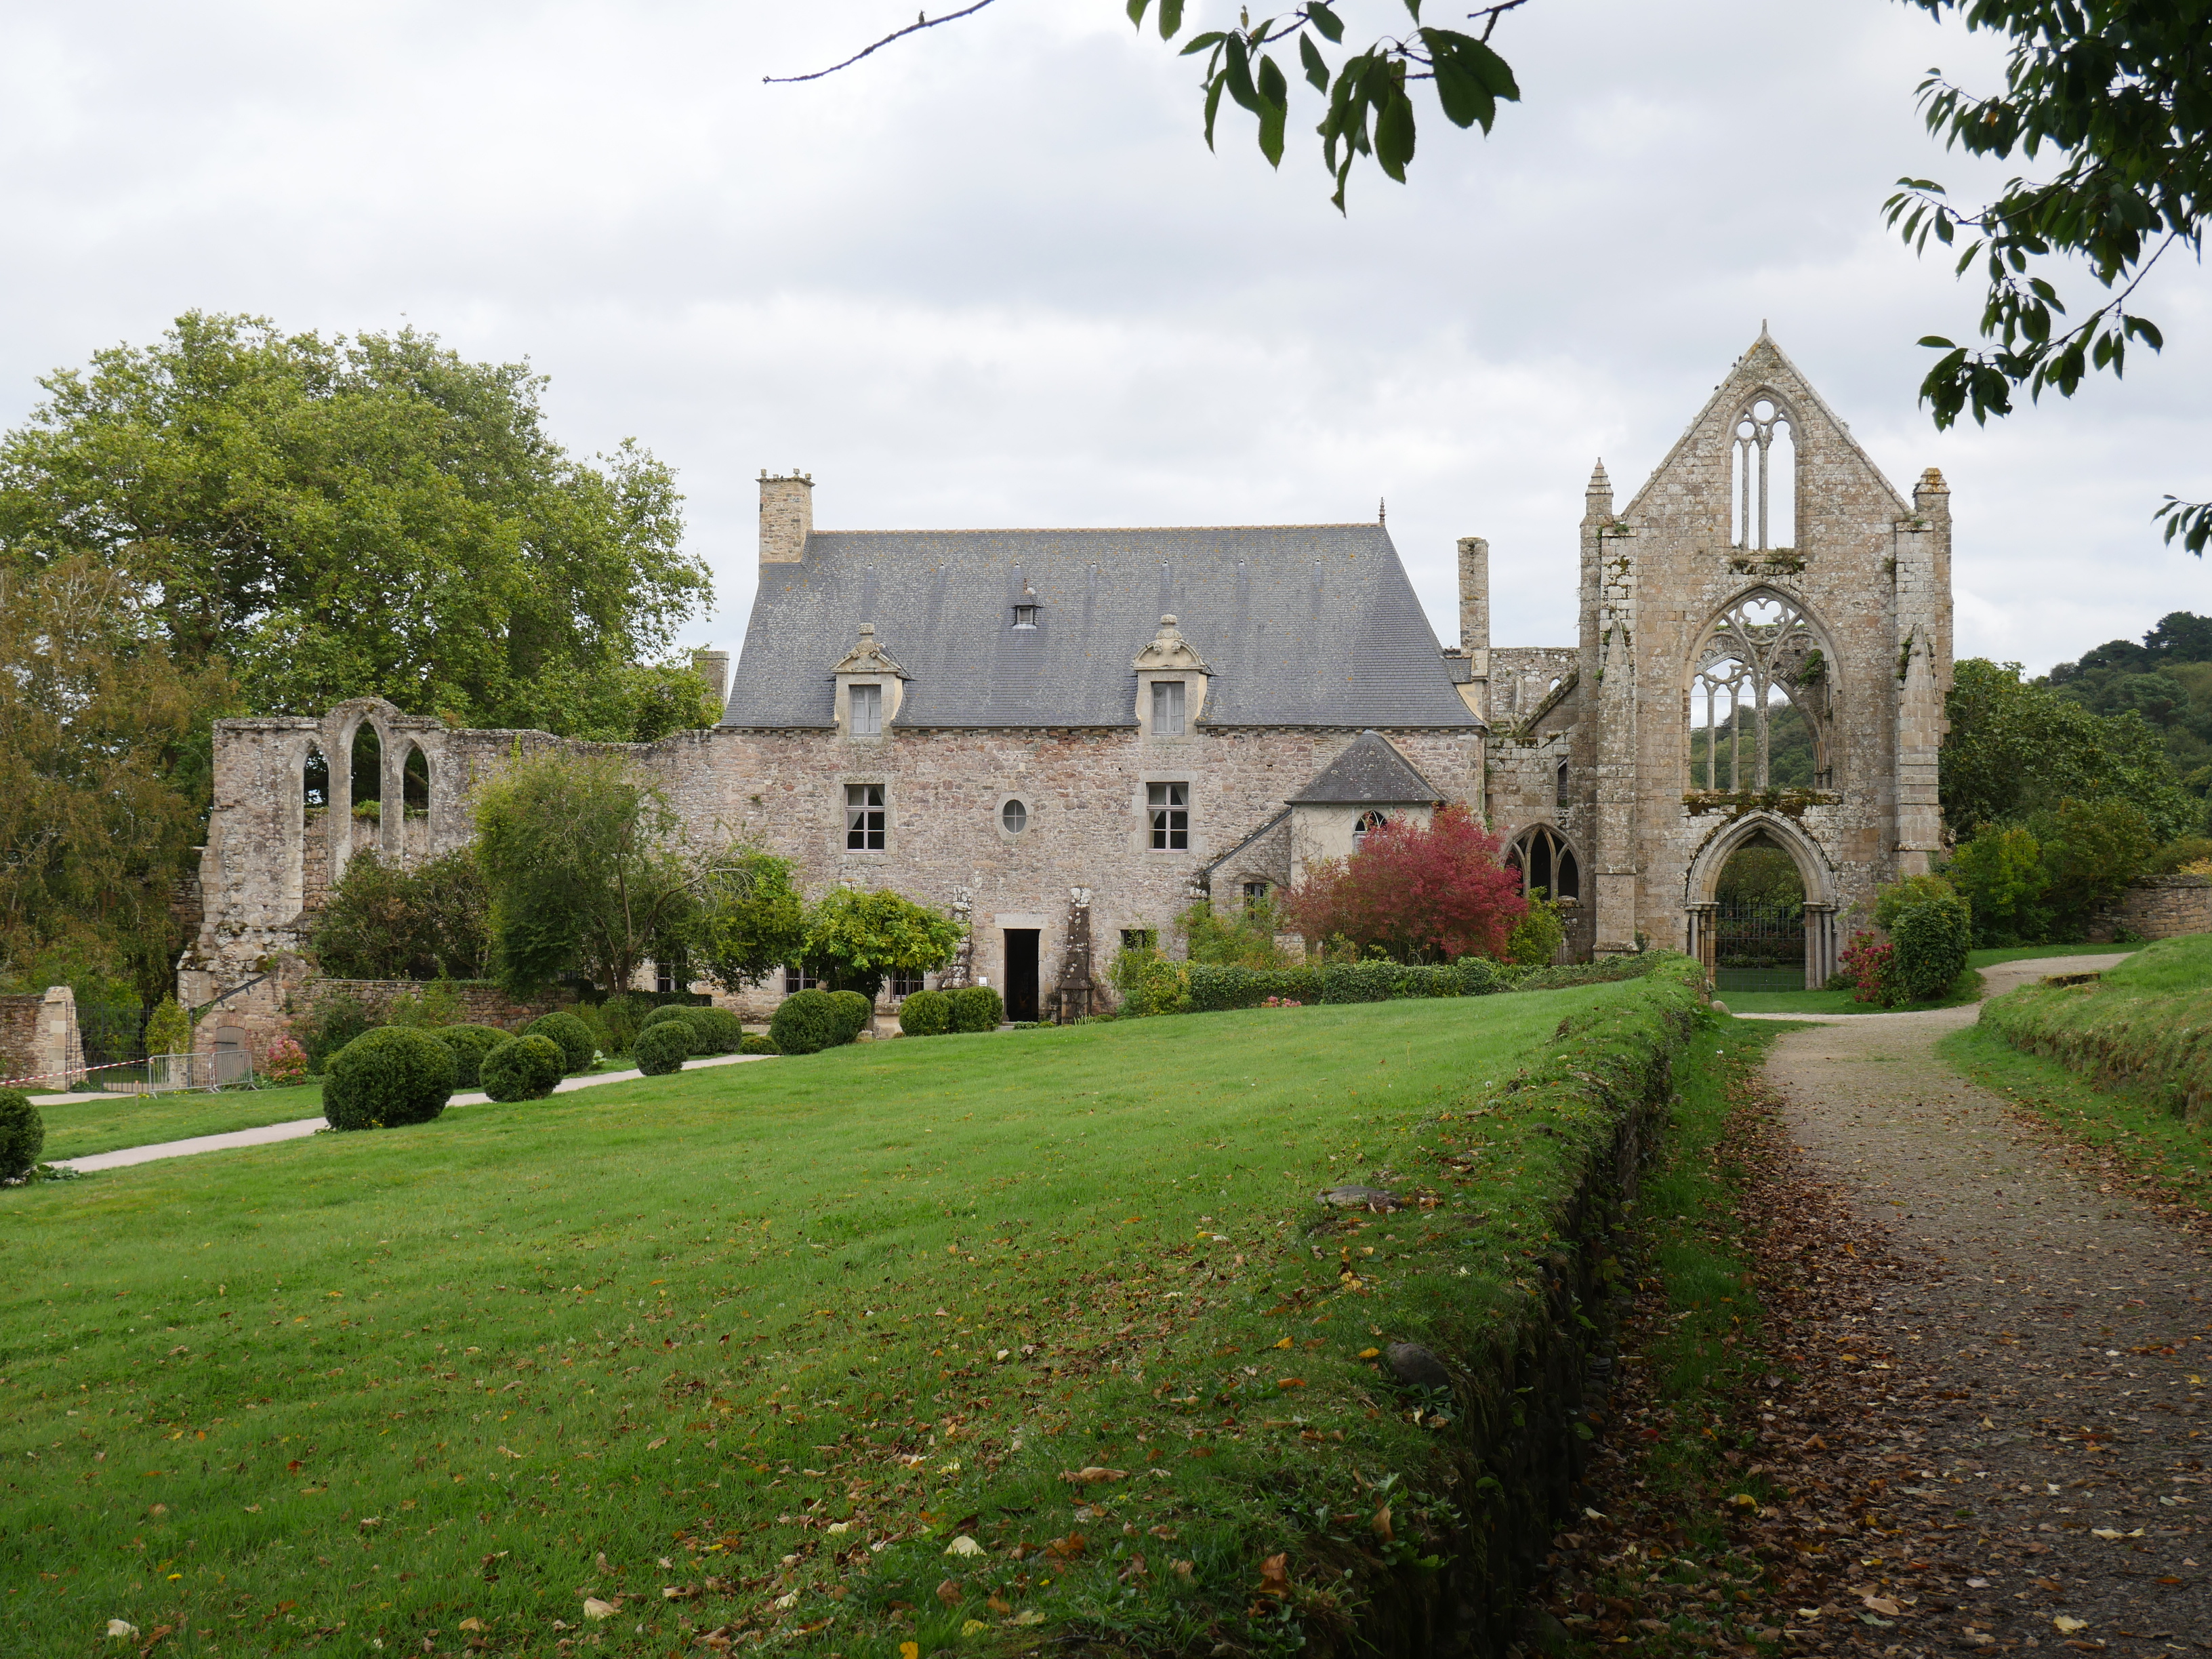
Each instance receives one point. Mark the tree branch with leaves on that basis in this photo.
(2120, 91)
(1368, 108)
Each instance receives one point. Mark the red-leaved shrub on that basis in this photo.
(1872, 965)
(1423, 894)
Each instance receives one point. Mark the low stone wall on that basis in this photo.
(2159, 907)
(258, 1013)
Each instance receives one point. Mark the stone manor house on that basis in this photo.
(1062, 737)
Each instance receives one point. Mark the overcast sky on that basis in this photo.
(993, 277)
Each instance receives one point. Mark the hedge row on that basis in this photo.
(1213, 987)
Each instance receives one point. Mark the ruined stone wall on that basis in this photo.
(1088, 825)
(1872, 573)
(1523, 677)
(39, 1045)
(256, 1013)
(1668, 567)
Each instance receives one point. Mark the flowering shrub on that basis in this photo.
(286, 1062)
(1871, 964)
(1282, 1002)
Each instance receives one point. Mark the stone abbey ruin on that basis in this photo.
(1062, 736)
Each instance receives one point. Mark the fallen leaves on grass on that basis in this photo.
(1092, 1474)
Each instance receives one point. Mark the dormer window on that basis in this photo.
(1025, 615)
(867, 706)
(1167, 708)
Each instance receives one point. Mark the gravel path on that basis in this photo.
(2059, 1329)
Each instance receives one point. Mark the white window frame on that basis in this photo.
(1170, 698)
(868, 813)
(864, 708)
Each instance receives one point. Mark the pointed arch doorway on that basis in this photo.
(1762, 907)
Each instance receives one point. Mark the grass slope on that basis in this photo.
(2144, 1027)
(757, 1344)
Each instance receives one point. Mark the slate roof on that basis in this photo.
(1369, 770)
(1302, 624)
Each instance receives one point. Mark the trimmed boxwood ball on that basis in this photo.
(805, 1023)
(22, 1134)
(660, 1050)
(667, 1011)
(524, 1067)
(393, 1075)
(976, 1008)
(854, 1012)
(926, 1013)
(470, 1044)
(715, 1030)
(755, 1043)
(573, 1037)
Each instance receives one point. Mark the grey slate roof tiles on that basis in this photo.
(1369, 770)
(1302, 624)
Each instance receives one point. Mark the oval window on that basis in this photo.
(1015, 816)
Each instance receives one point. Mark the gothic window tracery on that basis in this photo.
(1547, 864)
(1759, 700)
(1763, 500)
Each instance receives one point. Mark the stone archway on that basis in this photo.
(1823, 906)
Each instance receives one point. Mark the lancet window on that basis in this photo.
(1759, 701)
(1764, 496)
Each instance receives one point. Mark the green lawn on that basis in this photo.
(770, 1338)
(1968, 988)
(83, 1126)
(2030, 952)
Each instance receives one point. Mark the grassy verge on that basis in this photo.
(2147, 1138)
(1666, 1532)
(2036, 953)
(749, 1351)
(83, 1127)
(2145, 1027)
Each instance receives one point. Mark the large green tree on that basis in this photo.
(374, 515)
(2016, 748)
(102, 740)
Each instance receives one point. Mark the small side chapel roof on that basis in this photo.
(1299, 625)
(1370, 772)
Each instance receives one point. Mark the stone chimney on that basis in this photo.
(714, 667)
(1473, 595)
(787, 507)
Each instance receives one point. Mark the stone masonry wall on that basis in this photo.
(2159, 907)
(255, 1014)
(1088, 826)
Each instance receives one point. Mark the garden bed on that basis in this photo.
(743, 1354)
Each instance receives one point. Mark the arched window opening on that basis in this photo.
(1547, 864)
(1559, 792)
(415, 782)
(367, 772)
(1764, 498)
(315, 780)
(1759, 702)
(1368, 820)
(1759, 919)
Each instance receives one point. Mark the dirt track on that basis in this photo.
(2052, 1342)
